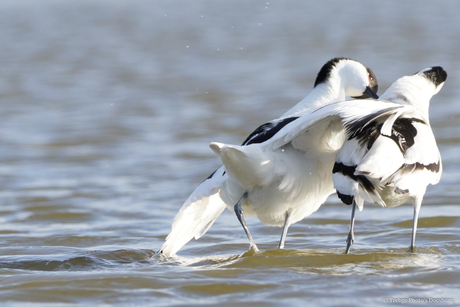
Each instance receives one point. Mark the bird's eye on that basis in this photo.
(370, 78)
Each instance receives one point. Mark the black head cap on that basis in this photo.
(325, 71)
(436, 74)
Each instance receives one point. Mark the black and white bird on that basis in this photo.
(389, 153)
(392, 158)
(280, 187)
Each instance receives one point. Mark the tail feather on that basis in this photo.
(358, 188)
(371, 196)
(248, 165)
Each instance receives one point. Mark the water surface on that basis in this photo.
(107, 109)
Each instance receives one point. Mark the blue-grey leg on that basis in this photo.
(239, 214)
(417, 204)
(351, 235)
(285, 230)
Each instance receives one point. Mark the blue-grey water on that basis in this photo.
(106, 112)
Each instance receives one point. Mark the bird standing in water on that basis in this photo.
(392, 158)
(388, 153)
(281, 186)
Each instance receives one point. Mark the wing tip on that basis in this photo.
(216, 147)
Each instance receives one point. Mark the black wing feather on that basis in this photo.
(267, 131)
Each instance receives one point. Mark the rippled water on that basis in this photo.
(107, 109)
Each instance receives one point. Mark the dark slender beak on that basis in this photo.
(369, 92)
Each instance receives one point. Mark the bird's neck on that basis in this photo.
(406, 91)
(322, 95)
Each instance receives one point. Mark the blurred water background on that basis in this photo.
(106, 112)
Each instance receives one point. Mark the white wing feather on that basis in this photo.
(339, 112)
(197, 214)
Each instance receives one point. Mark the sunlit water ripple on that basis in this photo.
(107, 109)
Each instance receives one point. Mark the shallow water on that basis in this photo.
(107, 109)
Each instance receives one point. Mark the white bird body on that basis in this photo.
(390, 168)
(275, 182)
(295, 177)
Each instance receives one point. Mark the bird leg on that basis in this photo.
(351, 236)
(285, 230)
(417, 204)
(239, 215)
